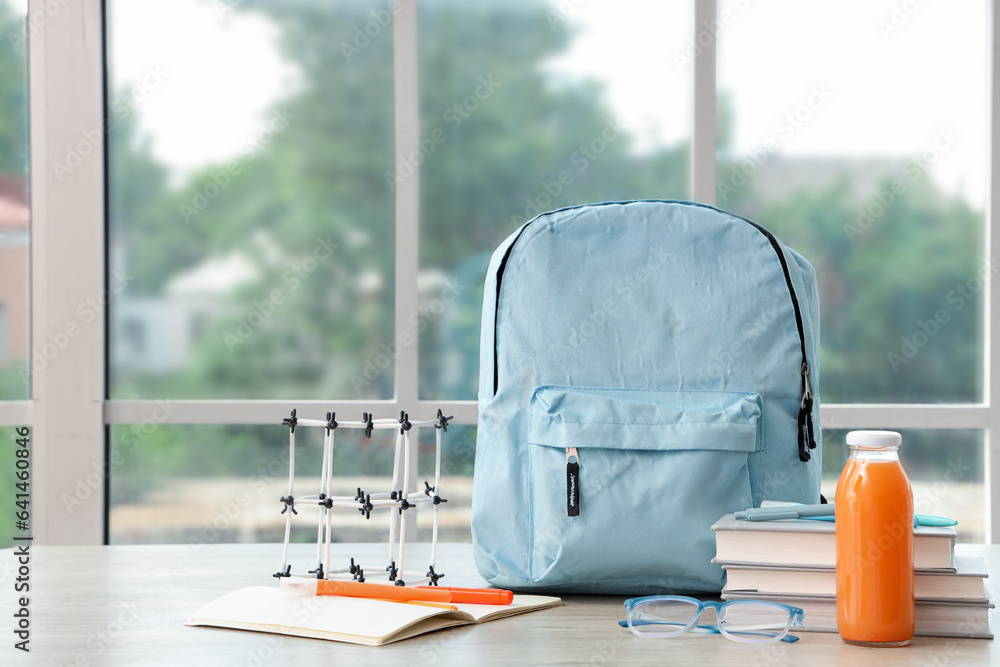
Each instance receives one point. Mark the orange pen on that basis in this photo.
(356, 589)
(476, 595)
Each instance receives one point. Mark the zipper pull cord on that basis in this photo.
(807, 438)
(572, 482)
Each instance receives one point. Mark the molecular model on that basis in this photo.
(400, 498)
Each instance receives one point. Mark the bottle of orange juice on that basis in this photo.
(874, 524)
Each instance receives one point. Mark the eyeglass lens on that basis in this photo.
(742, 622)
(663, 617)
(754, 623)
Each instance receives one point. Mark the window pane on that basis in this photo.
(14, 215)
(251, 236)
(527, 107)
(946, 470)
(859, 136)
(210, 484)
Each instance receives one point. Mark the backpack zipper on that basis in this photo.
(806, 439)
(572, 482)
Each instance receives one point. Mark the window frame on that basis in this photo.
(70, 408)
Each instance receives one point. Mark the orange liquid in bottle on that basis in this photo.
(874, 531)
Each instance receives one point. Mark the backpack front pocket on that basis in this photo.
(625, 484)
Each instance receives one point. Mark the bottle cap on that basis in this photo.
(874, 439)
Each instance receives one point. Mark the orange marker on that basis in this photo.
(477, 595)
(357, 589)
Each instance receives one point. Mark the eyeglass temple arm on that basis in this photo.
(707, 628)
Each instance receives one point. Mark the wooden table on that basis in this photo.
(126, 605)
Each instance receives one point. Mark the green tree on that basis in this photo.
(13, 94)
(881, 278)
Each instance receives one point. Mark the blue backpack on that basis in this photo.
(646, 367)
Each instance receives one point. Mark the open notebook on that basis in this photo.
(355, 620)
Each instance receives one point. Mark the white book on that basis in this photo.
(354, 620)
(933, 618)
(807, 543)
(966, 583)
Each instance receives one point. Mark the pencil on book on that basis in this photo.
(422, 603)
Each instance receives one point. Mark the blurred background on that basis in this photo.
(252, 174)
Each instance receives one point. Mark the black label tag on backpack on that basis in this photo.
(573, 489)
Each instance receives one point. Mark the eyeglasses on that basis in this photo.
(747, 621)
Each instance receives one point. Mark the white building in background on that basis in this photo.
(156, 334)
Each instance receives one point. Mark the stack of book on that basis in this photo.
(793, 562)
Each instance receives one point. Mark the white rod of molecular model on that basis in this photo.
(393, 516)
(289, 508)
(376, 423)
(328, 476)
(437, 492)
(406, 484)
(322, 494)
